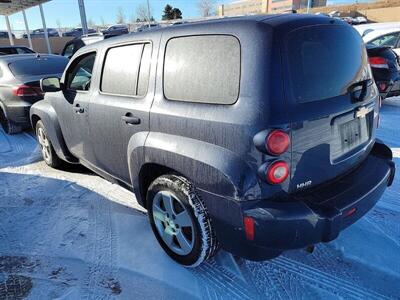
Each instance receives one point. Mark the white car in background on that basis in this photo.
(368, 28)
(384, 37)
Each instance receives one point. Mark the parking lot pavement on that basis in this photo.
(70, 234)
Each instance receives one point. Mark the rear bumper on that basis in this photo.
(316, 216)
(18, 113)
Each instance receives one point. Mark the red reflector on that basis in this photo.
(378, 62)
(277, 172)
(26, 91)
(277, 142)
(249, 228)
(350, 212)
(382, 87)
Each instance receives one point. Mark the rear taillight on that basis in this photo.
(277, 172)
(277, 142)
(26, 91)
(378, 62)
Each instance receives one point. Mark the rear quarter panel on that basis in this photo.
(212, 144)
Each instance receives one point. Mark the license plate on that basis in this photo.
(353, 133)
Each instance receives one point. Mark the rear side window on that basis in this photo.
(8, 51)
(22, 50)
(122, 67)
(324, 61)
(68, 51)
(38, 66)
(203, 69)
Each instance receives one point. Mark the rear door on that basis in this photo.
(120, 108)
(332, 102)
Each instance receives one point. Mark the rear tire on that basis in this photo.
(180, 221)
(8, 126)
(48, 153)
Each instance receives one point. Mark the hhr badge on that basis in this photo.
(304, 184)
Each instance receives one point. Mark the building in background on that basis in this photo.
(248, 7)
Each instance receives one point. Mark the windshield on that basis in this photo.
(38, 66)
(324, 61)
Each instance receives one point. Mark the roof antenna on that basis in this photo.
(37, 55)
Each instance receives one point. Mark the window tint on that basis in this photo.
(80, 75)
(38, 66)
(324, 61)
(8, 50)
(23, 50)
(144, 73)
(121, 68)
(202, 69)
(387, 40)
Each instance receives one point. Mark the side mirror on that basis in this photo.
(50, 85)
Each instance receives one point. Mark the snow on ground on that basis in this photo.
(72, 235)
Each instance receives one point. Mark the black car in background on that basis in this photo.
(74, 45)
(78, 32)
(39, 33)
(20, 86)
(114, 30)
(4, 35)
(7, 50)
(385, 68)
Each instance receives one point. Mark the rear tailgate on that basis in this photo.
(332, 101)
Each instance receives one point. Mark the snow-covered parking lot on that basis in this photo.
(72, 235)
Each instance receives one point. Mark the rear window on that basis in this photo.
(126, 70)
(324, 61)
(38, 66)
(203, 69)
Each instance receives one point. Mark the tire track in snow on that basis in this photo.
(220, 283)
(319, 278)
(101, 256)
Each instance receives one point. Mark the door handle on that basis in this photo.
(78, 109)
(130, 119)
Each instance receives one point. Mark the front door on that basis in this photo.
(119, 110)
(72, 112)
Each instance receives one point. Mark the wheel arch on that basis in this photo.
(43, 111)
(210, 167)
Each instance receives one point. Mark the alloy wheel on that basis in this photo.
(173, 222)
(44, 144)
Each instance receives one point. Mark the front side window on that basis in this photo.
(80, 75)
(203, 69)
(126, 70)
(387, 40)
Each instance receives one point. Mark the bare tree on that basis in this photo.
(91, 23)
(102, 22)
(120, 16)
(142, 15)
(58, 25)
(206, 7)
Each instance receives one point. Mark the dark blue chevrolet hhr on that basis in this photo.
(254, 134)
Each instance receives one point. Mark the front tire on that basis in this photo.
(180, 221)
(48, 153)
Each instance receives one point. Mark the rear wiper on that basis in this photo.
(359, 89)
